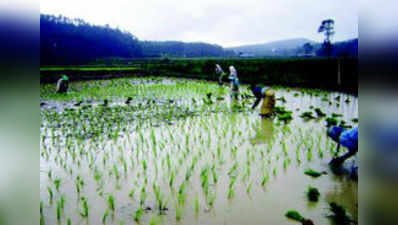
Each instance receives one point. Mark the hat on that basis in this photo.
(335, 132)
(64, 77)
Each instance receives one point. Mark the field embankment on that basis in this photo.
(312, 73)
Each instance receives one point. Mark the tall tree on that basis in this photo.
(327, 27)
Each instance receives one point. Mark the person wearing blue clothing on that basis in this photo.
(258, 92)
(347, 138)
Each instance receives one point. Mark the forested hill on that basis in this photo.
(74, 41)
(67, 41)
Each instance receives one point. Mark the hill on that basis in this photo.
(276, 48)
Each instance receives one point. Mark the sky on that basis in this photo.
(224, 22)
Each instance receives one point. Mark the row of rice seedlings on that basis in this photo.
(162, 204)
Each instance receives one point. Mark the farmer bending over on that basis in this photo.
(345, 137)
(268, 96)
(220, 72)
(233, 77)
(62, 84)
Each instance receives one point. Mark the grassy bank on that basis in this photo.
(313, 73)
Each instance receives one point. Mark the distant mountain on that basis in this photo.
(183, 49)
(297, 47)
(276, 48)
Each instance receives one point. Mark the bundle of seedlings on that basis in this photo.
(313, 194)
(294, 215)
(314, 173)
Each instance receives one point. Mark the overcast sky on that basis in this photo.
(224, 22)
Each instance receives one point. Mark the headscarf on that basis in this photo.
(232, 73)
(64, 77)
(219, 69)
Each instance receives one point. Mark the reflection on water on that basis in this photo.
(265, 132)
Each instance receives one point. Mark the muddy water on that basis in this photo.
(256, 147)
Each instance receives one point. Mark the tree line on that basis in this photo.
(74, 41)
(65, 41)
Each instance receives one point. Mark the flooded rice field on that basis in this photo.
(173, 151)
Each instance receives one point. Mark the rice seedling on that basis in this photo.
(178, 212)
(57, 183)
(62, 202)
(309, 155)
(211, 199)
(159, 198)
(171, 179)
(204, 177)
(231, 191)
(196, 204)
(155, 220)
(41, 208)
(181, 194)
(105, 216)
(116, 172)
(50, 194)
(320, 152)
(313, 194)
(111, 203)
(84, 212)
(68, 221)
(265, 179)
(143, 196)
(59, 211)
(138, 215)
(214, 174)
(275, 171)
(249, 188)
(49, 174)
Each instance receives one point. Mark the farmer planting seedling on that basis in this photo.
(62, 84)
(220, 72)
(233, 77)
(268, 97)
(347, 138)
